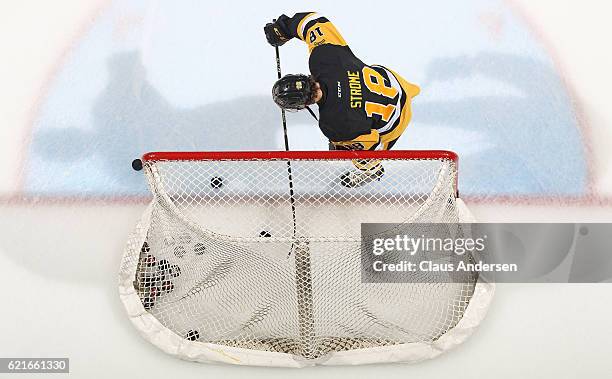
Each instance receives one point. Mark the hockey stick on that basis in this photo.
(303, 276)
(289, 171)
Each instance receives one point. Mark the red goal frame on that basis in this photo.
(300, 155)
(306, 155)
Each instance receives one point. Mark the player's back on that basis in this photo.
(357, 97)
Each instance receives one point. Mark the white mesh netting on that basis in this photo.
(220, 262)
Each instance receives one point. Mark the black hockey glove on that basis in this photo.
(275, 34)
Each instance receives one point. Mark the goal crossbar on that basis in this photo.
(306, 155)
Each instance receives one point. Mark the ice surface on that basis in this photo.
(158, 77)
(196, 75)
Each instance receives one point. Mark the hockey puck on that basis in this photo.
(137, 164)
(216, 182)
(164, 265)
(180, 251)
(167, 286)
(145, 247)
(154, 292)
(265, 234)
(192, 335)
(147, 281)
(148, 303)
(175, 271)
(150, 261)
(199, 249)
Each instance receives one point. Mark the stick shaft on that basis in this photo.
(303, 278)
(286, 134)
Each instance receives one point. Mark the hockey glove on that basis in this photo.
(275, 34)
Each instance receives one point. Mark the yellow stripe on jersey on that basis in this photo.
(302, 24)
(321, 33)
(363, 142)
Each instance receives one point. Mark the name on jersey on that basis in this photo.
(356, 89)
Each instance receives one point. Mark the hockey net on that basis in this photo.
(254, 258)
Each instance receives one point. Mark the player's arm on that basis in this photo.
(309, 27)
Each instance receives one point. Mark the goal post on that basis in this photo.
(228, 265)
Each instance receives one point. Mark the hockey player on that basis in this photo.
(361, 107)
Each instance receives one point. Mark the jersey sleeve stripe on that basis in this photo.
(302, 25)
(312, 23)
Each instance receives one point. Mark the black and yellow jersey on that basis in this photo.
(363, 105)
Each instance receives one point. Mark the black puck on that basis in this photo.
(199, 248)
(148, 302)
(265, 234)
(193, 335)
(137, 164)
(175, 271)
(154, 292)
(180, 251)
(147, 281)
(150, 261)
(164, 265)
(145, 247)
(216, 182)
(167, 286)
